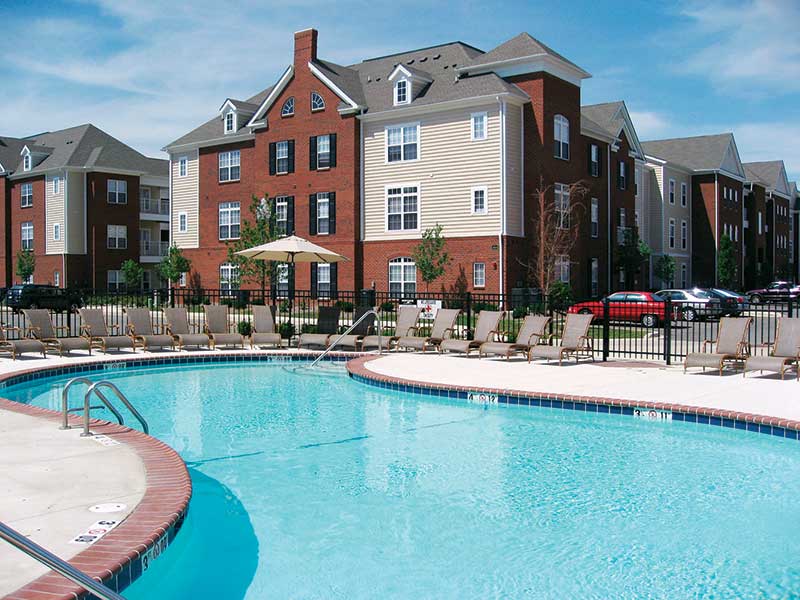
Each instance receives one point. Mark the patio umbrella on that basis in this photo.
(292, 249)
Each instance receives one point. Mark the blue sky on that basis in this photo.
(149, 71)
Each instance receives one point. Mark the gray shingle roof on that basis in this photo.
(86, 146)
(9, 152)
(606, 115)
(700, 153)
(520, 46)
(768, 173)
(346, 79)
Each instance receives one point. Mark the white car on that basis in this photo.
(691, 305)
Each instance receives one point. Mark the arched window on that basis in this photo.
(288, 107)
(561, 137)
(402, 277)
(317, 103)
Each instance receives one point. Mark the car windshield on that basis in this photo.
(656, 297)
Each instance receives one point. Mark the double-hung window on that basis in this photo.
(26, 162)
(323, 280)
(229, 163)
(183, 163)
(684, 276)
(117, 237)
(56, 184)
(230, 122)
(594, 160)
(282, 279)
(26, 195)
(56, 232)
(401, 92)
(595, 275)
(27, 235)
(684, 194)
(595, 218)
(229, 215)
(562, 205)
(281, 215)
(323, 151)
(672, 191)
(323, 213)
(478, 122)
(562, 268)
(402, 208)
(116, 281)
(684, 235)
(117, 191)
(622, 178)
(479, 205)
(561, 137)
(402, 278)
(282, 157)
(183, 222)
(478, 274)
(228, 277)
(402, 143)
(672, 233)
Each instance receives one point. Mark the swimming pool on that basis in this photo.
(316, 486)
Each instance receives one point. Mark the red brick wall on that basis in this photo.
(5, 244)
(706, 197)
(779, 226)
(45, 264)
(755, 243)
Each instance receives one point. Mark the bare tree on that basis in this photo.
(555, 226)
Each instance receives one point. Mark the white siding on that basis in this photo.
(185, 198)
(514, 215)
(75, 233)
(449, 165)
(54, 212)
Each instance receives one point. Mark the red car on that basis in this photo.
(646, 308)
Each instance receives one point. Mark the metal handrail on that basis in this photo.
(60, 566)
(94, 389)
(65, 410)
(371, 311)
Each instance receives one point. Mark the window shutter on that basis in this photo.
(332, 212)
(589, 162)
(291, 157)
(312, 153)
(333, 150)
(312, 214)
(334, 278)
(272, 155)
(599, 161)
(619, 175)
(290, 215)
(314, 280)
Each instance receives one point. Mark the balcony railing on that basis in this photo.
(154, 248)
(151, 206)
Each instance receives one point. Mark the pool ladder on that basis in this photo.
(348, 330)
(95, 388)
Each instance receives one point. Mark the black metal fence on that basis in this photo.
(659, 331)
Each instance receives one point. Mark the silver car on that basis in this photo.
(691, 305)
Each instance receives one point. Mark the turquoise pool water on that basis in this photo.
(313, 487)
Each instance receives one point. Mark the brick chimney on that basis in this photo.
(305, 46)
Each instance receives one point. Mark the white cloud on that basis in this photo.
(649, 124)
(770, 141)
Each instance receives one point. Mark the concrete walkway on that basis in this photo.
(757, 394)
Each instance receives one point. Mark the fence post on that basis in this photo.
(469, 315)
(606, 330)
(668, 331)
(790, 307)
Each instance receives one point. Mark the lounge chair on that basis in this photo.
(327, 324)
(41, 327)
(531, 332)
(441, 330)
(407, 316)
(16, 347)
(485, 330)
(731, 346)
(785, 350)
(574, 341)
(218, 327)
(178, 328)
(264, 327)
(140, 328)
(354, 338)
(94, 328)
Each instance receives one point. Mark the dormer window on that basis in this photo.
(401, 92)
(317, 103)
(288, 107)
(230, 122)
(26, 162)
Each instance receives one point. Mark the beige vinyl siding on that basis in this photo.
(185, 198)
(514, 212)
(54, 212)
(676, 211)
(450, 164)
(653, 201)
(75, 234)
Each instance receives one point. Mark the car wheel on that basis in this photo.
(584, 311)
(756, 299)
(689, 314)
(649, 320)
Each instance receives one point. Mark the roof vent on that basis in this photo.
(454, 65)
(369, 78)
(437, 56)
(445, 66)
(410, 62)
(377, 79)
(423, 59)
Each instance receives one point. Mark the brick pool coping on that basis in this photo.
(766, 424)
(116, 559)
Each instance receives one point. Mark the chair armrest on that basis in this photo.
(10, 328)
(538, 337)
(86, 330)
(588, 341)
(114, 328)
(705, 343)
(493, 333)
(448, 333)
(58, 328)
(408, 332)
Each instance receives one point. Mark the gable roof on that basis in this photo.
(519, 47)
(345, 80)
(10, 149)
(613, 118)
(698, 153)
(771, 173)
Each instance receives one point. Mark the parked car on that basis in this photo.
(777, 291)
(646, 308)
(31, 295)
(733, 304)
(691, 305)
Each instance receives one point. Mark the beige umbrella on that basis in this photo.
(292, 249)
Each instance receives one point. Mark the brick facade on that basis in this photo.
(711, 215)
(755, 241)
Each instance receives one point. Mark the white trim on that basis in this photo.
(522, 169)
(395, 101)
(311, 101)
(485, 190)
(234, 124)
(485, 116)
(408, 74)
(402, 160)
(334, 88)
(413, 110)
(401, 231)
(273, 95)
(178, 228)
(183, 164)
(672, 191)
(531, 64)
(229, 139)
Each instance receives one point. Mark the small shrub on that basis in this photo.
(387, 307)
(308, 328)
(559, 297)
(286, 330)
(479, 306)
(244, 328)
(344, 306)
(284, 306)
(520, 312)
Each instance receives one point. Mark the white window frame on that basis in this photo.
(229, 216)
(323, 200)
(119, 193)
(594, 217)
(561, 136)
(405, 190)
(282, 215)
(183, 166)
(56, 184)
(56, 232)
(115, 280)
(57, 278)
(26, 195)
(684, 194)
(594, 269)
(562, 267)
(479, 275)
(287, 110)
(182, 280)
(27, 162)
(671, 191)
(282, 154)
(282, 279)
(323, 279)
(404, 266)
(26, 232)
(561, 199)
(119, 235)
(406, 85)
(484, 190)
(684, 276)
(594, 159)
(317, 96)
(479, 132)
(671, 234)
(323, 157)
(228, 161)
(623, 175)
(228, 278)
(684, 234)
(183, 222)
(402, 127)
(230, 122)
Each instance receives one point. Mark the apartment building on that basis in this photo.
(711, 166)
(83, 203)
(364, 158)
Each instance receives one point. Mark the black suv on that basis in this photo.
(30, 295)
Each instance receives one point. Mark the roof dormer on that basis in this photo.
(32, 156)
(408, 83)
(235, 114)
(27, 160)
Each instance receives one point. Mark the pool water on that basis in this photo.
(316, 486)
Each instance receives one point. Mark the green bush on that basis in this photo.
(479, 306)
(560, 296)
(286, 330)
(284, 306)
(244, 328)
(520, 312)
(308, 328)
(387, 306)
(344, 306)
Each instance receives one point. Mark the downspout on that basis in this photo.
(609, 268)
(501, 235)
(716, 226)
(64, 236)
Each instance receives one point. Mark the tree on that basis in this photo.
(173, 265)
(726, 262)
(664, 269)
(26, 264)
(431, 255)
(632, 253)
(133, 273)
(258, 229)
